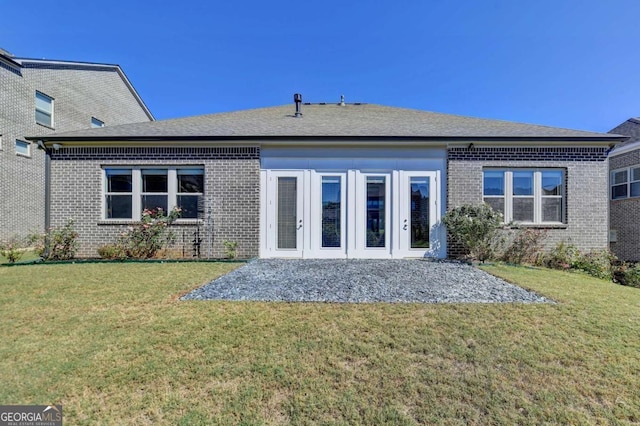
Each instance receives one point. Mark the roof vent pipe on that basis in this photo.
(297, 98)
(341, 100)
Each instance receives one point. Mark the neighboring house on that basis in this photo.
(39, 96)
(624, 165)
(329, 180)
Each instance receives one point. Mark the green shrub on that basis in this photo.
(475, 228)
(230, 249)
(144, 239)
(563, 256)
(58, 243)
(112, 252)
(13, 249)
(597, 263)
(632, 276)
(525, 247)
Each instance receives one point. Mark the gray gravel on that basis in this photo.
(363, 280)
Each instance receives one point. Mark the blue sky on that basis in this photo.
(564, 63)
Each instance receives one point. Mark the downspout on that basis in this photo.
(47, 197)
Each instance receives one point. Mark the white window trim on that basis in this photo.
(628, 183)
(51, 114)
(537, 194)
(28, 154)
(136, 190)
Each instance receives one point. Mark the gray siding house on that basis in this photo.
(624, 165)
(328, 180)
(45, 96)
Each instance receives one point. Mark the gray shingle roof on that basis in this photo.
(326, 120)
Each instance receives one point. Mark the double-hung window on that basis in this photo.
(44, 109)
(130, 191)
(530, 196)
(625, 183)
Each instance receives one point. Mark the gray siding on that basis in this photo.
(232, 195)
(79, 93)
(625, 214)
(586, 179)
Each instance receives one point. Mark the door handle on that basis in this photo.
(299, 225)
(405, 225)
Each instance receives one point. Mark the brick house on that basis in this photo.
(624, 165)
(328, 180)
(39, 96)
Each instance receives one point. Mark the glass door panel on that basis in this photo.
(419, 212)
(287, 216)
(376, 212)
(331, 211)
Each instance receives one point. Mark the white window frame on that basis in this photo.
(48, 113)
(629, 181)
(96, 123)
(28, 145)
(537, 194)
(136, 189)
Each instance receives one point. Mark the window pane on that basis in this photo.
(118, 182)
(619, 191)
(552, 210)
(331, 211)
(522, 183)
(153, 202)
(119, 206)
(493, 182)
(190, 183)
(287, 212)
(23, 148)
(523, 209)
(551, 183)
(635, 189)
(619, 177)
(189, 205)
(376, 211)
(636, 173)
(496, 203)
(419, 212)
(44, 103)
(43, 118)
(154, 181)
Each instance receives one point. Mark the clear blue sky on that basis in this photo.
(566, 63)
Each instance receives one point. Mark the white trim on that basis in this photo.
(21, 154)
(625, 148)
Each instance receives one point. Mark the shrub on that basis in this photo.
(112, 252)
(597, 263)
(144, 239)
(525, 247)
(475, 228)
(13, 249)
(632, 276)
(563, 256)
(230, 249)
(57, 243)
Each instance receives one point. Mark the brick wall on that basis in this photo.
(231, 198)
(586, 181)
(79, 93)
(625, 214)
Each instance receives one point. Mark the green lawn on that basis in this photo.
(113, 345)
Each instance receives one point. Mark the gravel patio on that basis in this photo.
(362, 281)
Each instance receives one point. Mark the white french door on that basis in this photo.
(372, 222)
(328, 203)
(285, 211)
(417, 215)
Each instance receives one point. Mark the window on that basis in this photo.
(95, 123)
(625, 183)
(526, 195)
(23, 148)
(129, 191)
(44, 109)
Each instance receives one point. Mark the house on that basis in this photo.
(328, 180)
(39, 96)
(624, 165)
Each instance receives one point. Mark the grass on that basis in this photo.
(113, 345)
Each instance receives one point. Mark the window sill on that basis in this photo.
(184, 222)
(45, 125)
(537, 226)
(23, 155)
